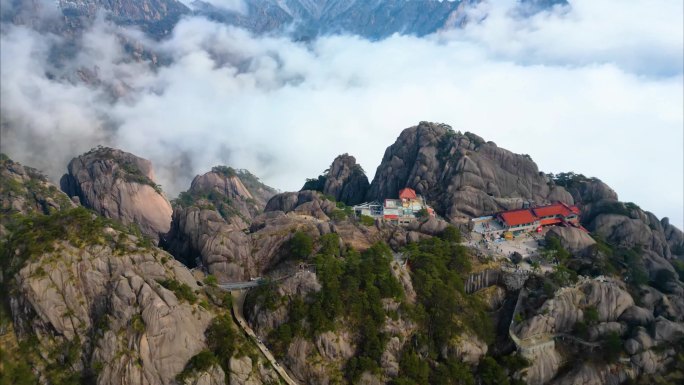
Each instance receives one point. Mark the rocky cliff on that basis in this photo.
(25, 190)
(461, 175)
(90, 301)
(120, 186)
(346, 181)
(623, 224)
(210, 218)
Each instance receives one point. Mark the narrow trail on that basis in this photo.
(238, 302)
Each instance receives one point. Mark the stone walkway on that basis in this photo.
(238, 303)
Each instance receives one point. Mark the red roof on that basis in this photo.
(555, 209)
(407, 193)
(518, 217)
(552, 210)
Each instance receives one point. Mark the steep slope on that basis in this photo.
(461, 175)
(120, 186)
(90, 302)
(24, 190)
(210, 220)
(346, 181)
(624, 224)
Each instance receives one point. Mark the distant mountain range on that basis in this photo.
(303, 19)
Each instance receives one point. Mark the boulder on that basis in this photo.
(561, 313)
(636, 315)
(639, 342)
(121, 186)
(596, 332)
(346, 181)
(666, 331)
(306, 202)
(576, 241)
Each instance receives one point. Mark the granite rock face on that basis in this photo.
(210, 221)
(624, 224)
(120, 186)
(561, 313)
(572, 239)
(25, 190)
(100, 300)
(461, 175)
(346, 181)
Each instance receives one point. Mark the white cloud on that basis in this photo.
(596, 90)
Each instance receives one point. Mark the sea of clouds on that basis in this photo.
(595, 88)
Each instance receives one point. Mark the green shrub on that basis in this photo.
(338, 215)
(181, 290)
(491, 373)
(451, 234)
(210, 280)
(591, 315)
(367, 220)
(612, 347)
(221, 340)
(138, 324)
(200, 362)
(315, 184)
(299, 246)
(224, 170)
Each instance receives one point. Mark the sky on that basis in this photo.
(596, 88)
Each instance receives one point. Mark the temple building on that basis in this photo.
(400, 211)
(528, 220)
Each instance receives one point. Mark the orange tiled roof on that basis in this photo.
(555, 209)
(407, 193)
(518, 217)
(552, 210)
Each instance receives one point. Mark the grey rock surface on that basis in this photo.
(461, 175)
(346, 181)
(572, 239)
(561, 313)
(25, 190)
(120, 186)
(67, 303)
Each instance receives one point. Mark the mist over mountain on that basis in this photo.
(195, 92)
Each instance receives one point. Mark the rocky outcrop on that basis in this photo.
(622, 224)
(212, 376)
(305, 363)
(560, 314)
(574, 240)
(544, 366)
(25, 190)
(98, 306)
(469, 349)
(346, 181)
(263, 320)
(244, 371)
(596, 332)
(636, 315)
(588, 373)
(461, 175)
(210, 221)
(120, 186)
(307, 202)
